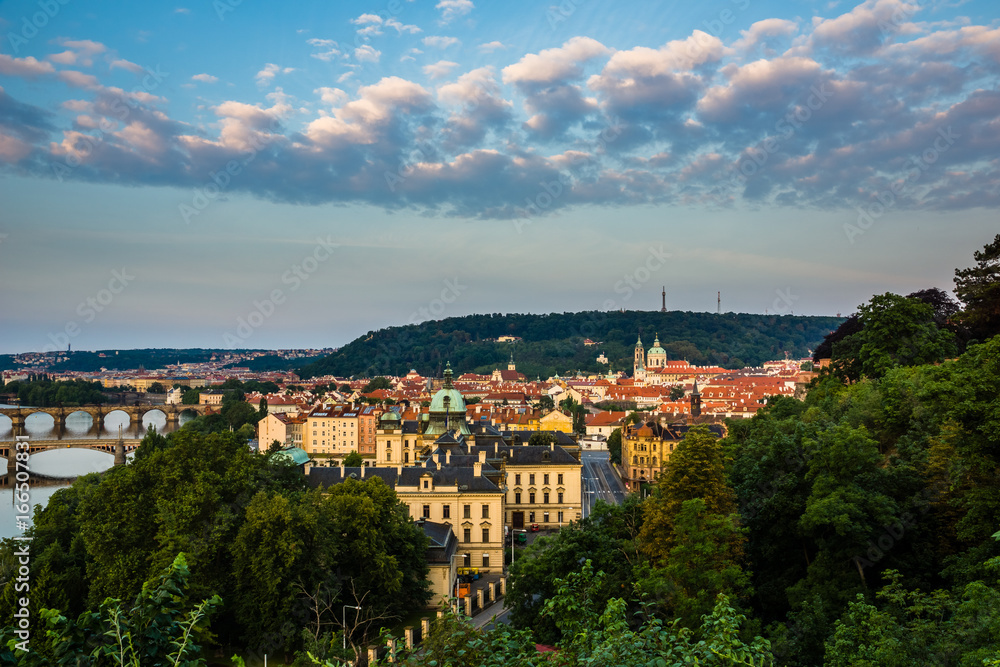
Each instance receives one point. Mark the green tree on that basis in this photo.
(543, 439)
(676, 392)
(607, 537)
(707, 560)
(696, 469)
(354, 460)
(546, 403)
(191, 397)
(156, 388)
(159, 628)
(978, 288)
(615, 446)
(379, 382)
(896, 331)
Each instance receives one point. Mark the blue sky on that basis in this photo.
(222, 174)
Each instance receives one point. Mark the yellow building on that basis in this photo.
(556, 420)
(461, 497)
(396, 442)
(544, 486)
(331, 431)
(286, 429)
(646, 449)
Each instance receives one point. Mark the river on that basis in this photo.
(66, 464)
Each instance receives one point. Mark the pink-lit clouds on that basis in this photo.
(828, 110)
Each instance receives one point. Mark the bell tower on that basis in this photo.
(639, 364)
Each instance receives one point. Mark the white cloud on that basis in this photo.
(453, 9)
(330, 51)
(367, 53)
(27, 67)
(554, 64)
(205, 78)
(440, 69)
(182, 10)
(127, 65)
(64, 58)
(84, 50)
(333, 97)
(490, 47)
(266, 76)
(438, 42)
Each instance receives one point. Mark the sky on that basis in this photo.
(236, 174)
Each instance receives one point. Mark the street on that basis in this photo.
(600, 481)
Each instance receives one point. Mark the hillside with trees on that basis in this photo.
(554, 343)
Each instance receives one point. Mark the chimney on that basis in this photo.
(447, 456)
(482, 456)
(341, 470)
(477, 469)
(362, 475)
(399, 469)
(552, 446)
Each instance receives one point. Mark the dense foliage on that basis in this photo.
(554, 343)
(282, 558)
(46, 393)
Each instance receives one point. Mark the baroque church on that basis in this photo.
(655, 358)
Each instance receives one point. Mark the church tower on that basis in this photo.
(510, 364)
(639, 365)
(695, 401)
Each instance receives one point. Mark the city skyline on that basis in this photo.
(316, 172)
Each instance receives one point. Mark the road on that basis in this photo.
(600, 481)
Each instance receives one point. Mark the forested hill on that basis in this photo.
(554, 343)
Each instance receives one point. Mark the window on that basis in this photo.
(467, 511)
(531, 517)
(531, 497)
(517, 497)
(467, 535)
(486, 560)
(560, 517)
(446, 511)
(517, 477)
(531, 478)
(406, 457)
(545, 517)
(486, 534)
(427, 511)
(545, 497)
(466, 560)
(559, 478)
(425, 484)
(545, 478)
(486, 511)
(560, 498)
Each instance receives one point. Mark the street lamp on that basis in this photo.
(343, 618)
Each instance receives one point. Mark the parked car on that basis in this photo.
(534, 527)
(521, 536)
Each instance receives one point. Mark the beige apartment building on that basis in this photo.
(285, 428)
(544, 486)
(461, 497)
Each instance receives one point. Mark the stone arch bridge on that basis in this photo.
(98, 413)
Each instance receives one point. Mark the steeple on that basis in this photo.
(695, 401)
(447, 376)
(663, 309)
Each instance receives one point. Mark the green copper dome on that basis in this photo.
(455, 403)
(656, 349)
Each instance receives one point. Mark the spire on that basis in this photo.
(447, 376)
(663, 309)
